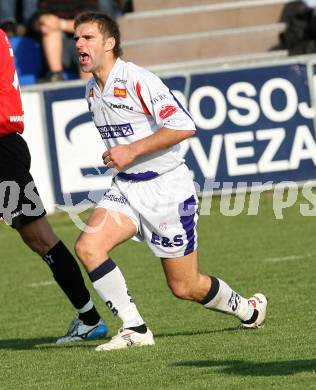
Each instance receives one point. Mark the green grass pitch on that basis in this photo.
(195, 348)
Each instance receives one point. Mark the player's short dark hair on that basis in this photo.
(105, 24)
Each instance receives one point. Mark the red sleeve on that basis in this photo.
(11, 111)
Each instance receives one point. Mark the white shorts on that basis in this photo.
(164, 210)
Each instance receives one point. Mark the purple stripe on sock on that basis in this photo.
(187, 212)
(106, 267)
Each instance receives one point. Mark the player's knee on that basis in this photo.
(38, 236)
(83, 250)
(87, 252)
(39, 246)
(180, 290)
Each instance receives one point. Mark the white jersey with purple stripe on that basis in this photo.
(134, 104)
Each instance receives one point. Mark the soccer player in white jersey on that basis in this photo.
(152, 197)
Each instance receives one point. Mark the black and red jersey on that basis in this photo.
(11, 111)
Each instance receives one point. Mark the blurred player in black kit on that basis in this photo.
(22, 208)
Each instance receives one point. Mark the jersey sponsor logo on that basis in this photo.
(115, 131)
(114, 198)
(166, 242)
(120, 92)
(158, 98)
(121, 81)
(122, 106)
(167, 111)
(91, 93)
(16, 118)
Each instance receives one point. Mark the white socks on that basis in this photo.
(222, 298)
(88, 306)
(110, 284)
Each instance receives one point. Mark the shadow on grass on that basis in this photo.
(41, 344)
(244, 368)
(197, 332)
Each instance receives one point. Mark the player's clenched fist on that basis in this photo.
(119, 156)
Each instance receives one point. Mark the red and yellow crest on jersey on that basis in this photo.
(120, 92)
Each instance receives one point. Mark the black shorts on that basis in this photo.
(20, 203)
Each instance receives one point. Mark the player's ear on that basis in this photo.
(109, 43)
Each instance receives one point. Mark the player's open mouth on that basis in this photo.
(83, 58)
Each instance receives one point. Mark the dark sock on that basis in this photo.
(90, 317)
(212, 292)
(139, 329)
(67, 274)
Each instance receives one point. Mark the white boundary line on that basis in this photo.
(42, 284)
(287, 258)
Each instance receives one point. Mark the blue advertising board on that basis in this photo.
(253, 125)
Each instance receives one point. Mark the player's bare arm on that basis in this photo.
(121, 155)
